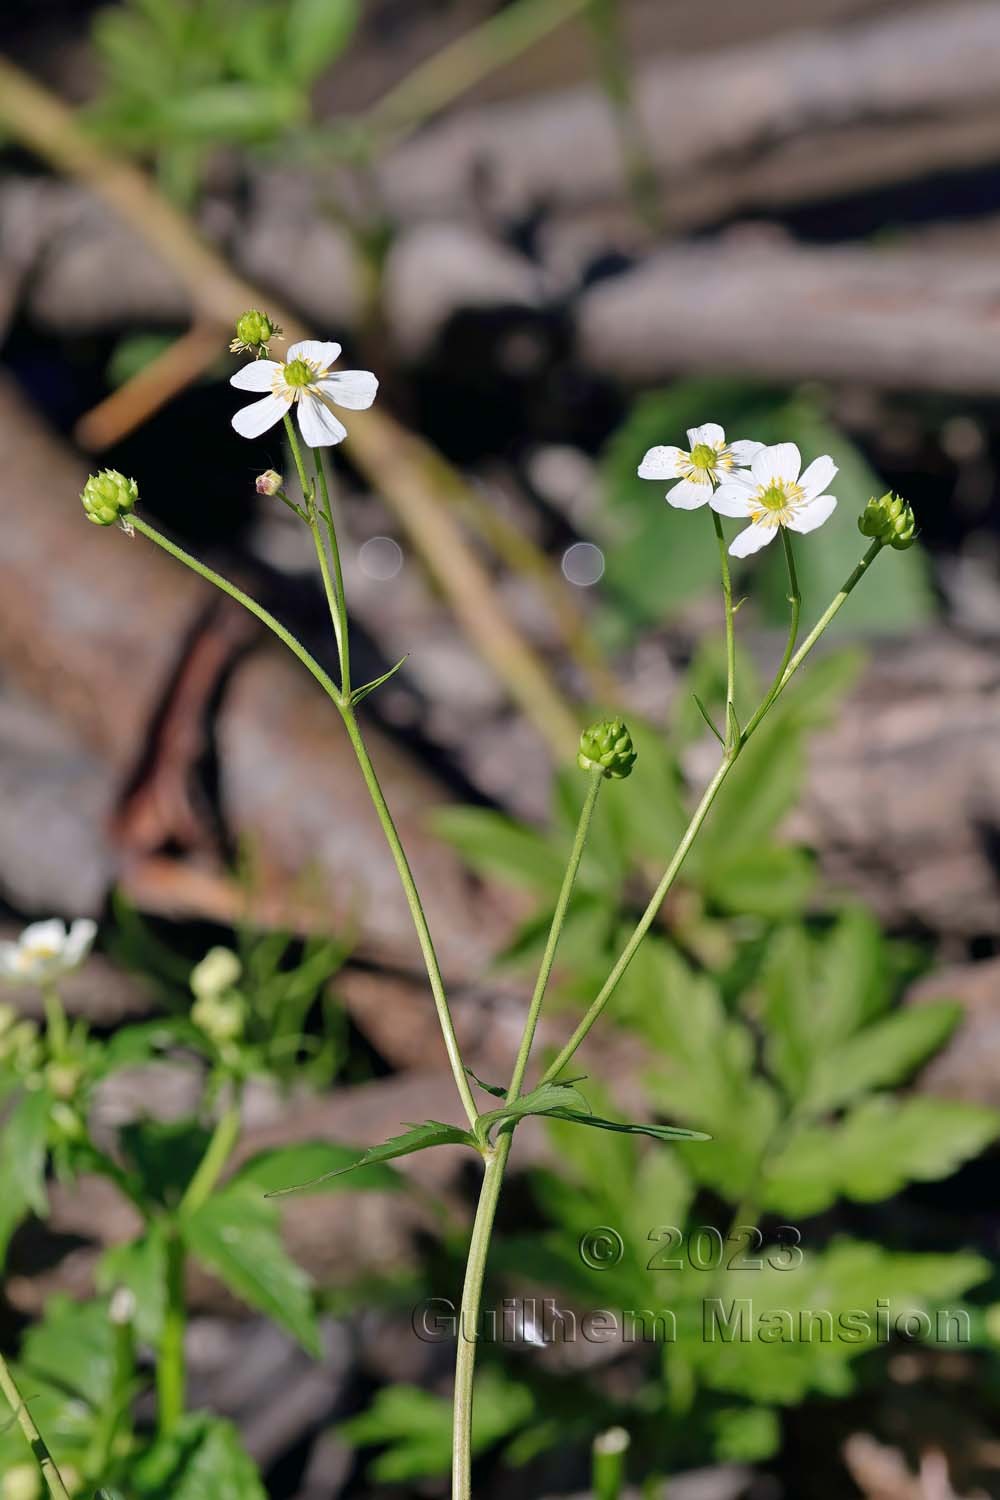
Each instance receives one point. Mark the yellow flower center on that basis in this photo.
(775, 503)
(703, 456)
(298, 372)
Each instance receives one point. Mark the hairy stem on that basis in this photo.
(32, 1436)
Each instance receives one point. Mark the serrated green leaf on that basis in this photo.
(658, 1132)
(22, 1162)
(416, 1138)
(235, 1234)
(314, 1164)
(73, 1349)
(879, 1146)
(202, 1458)
(882, 1054)
(544, 1100)
(414, 1426)
(360, 694)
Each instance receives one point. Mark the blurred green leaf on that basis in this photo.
(319, 1164)
(235, 1234)
(417, 1138)
(201, 1459)
(165, 1154)
(496, 845)
(317, 31)
(140, 1266)
(413, 1426)
(22, 1165)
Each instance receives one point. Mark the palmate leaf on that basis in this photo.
(416, 1138)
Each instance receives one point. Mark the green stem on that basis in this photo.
(698, 817)
(795, 600)
(416, 910)
(727, 598)
(217, 1153)
(343, 642)
(472, 1290)
(32, 1436)
(55, 1022)
(475, 1269)
(371, 780)
(170, 1364)
(555, 932)
(284, 635)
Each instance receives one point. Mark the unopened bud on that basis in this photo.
(108, 497)
(607, 746)
(254, 331)
(891, 520)
(218, 971)
(63, 1079)
(269, 483)
(221, 1018)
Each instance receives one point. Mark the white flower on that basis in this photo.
(707, 463)
(45, 951)
(773, 494)
(303, 380)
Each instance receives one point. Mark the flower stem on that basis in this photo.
(701, 812)
(475, 1270)
(555, 932)
(170, 1366)
(472, 1291)
(727, 598)
(795, 600)
(343, 642)
(32, 1436)
(217, 1153)
(371, 780)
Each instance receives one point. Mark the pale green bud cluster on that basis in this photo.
(218, 971)
(607, 746)
(221, 1017)
(891, 520)
(108, 496)
(254, 331)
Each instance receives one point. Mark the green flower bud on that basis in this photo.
(891, 520)
(66, 1124)
(269, 483)
(607, 746)
(220, 1017)
(63, 1079)
(108, 497)
(21, 1482)
(254, 331)
(218, 971)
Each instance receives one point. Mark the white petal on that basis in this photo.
(316, 352)
(80, 941)
(818, 476)
(48, 934)
(734, 497)
(813, 513)
(318, 425)
(9, 960)
(752, 540)
(711, 433)
(783, 461)
(743, 450)
(354, 389)
(688, 494)
(251, 421)
(662, 463)
(259, 375)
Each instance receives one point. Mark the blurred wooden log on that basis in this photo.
(98, 627)
(797, 116)
(917, 318)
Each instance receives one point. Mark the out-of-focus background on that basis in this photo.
(560, 231)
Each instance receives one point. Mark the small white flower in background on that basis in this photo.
(46, 951)
(305, 381)
(705, 464)
(774, 494)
